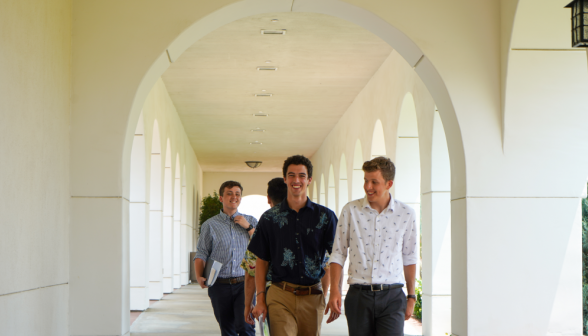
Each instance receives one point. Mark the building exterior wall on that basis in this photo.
(35, 106)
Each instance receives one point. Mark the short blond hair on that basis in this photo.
(383, 164)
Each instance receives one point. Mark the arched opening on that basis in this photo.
(155, 218)
(332, 192)
(378, 141)
(168, 219)
(343, 184)
(254, 205)
(407, 185)
(177, 224)
(314, 192)
(357, 175)
(323, 195)
(138, 224)
(436, 237)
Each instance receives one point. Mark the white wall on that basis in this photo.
(252, 183)
(35, 91)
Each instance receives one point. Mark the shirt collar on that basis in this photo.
(227, 217)
(284, 205)
(366, 204)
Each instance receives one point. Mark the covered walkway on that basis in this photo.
(187, 312)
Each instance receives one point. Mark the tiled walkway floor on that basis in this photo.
(187, 312)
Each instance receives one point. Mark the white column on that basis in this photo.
(185, 238)
(155, 230)
(177, 232)
(167, 236)
(139, 255)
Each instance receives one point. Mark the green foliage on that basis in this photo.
(211, 206)
(585, 262)
(418, 306)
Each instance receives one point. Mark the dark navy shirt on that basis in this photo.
(295, 242)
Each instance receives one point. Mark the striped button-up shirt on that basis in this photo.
(378, 245)
(225, 241)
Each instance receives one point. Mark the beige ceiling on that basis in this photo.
(323, 63)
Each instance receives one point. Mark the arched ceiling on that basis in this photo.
(323, 63)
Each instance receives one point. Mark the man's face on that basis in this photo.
(376, 188)
(231, 198)
(297, 180)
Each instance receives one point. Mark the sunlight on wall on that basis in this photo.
(254, 205)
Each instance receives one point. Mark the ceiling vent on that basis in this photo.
(267, 68)
(266, 95)
(273, 32)
(261, 114)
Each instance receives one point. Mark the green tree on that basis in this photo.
(211, 206)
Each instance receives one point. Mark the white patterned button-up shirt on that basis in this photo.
(379, 245)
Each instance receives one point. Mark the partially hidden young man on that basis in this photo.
(293, 239)
(224, 238)
(276, 193)
(379, 236)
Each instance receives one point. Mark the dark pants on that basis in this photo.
(228, 303)
(375, 313)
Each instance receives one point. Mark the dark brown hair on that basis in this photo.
(229, 184)
(277, 190)
(297, 160)
(383, 164)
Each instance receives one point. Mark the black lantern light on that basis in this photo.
(579, 23)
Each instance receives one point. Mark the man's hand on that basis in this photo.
(260, 308)
(409, 308)
(248, 315)
(242, 222)
(334, 305)
(201, 282)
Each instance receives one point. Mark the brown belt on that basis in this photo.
(230, 281)
(312, 290)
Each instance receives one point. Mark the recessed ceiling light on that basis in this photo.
(260, 114)
(256, 143)
(263, 95)
(258, 130)
(273, 32)
(267, 68)
(275, 20)
(268, 61)
(262, 90)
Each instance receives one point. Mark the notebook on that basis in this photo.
(211, 271)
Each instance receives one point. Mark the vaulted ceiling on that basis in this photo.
(323, 63)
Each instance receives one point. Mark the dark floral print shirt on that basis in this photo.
(295, 243)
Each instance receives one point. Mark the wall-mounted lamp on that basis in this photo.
(579, 23)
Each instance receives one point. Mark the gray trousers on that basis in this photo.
(375, 313)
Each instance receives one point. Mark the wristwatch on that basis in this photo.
(411, 297)
(249, 228)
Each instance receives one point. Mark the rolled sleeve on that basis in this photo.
(409, 244)
(259, 244)
(204, 245)
(341, 241)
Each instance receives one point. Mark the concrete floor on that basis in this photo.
(187, 312)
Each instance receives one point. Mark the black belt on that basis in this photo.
(377, 288)
(230, 281)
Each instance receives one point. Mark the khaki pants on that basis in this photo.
(292, 315)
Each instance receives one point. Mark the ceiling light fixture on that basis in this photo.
(268, 61)
(258, 130)
(267, 68)
(273, 32)
(256, 143)
(260, 114)
(264, 95)
(275, 20)
(253, 164)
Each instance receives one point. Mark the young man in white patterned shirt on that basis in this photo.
(379, 235)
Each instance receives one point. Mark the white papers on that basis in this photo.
(263, 326)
